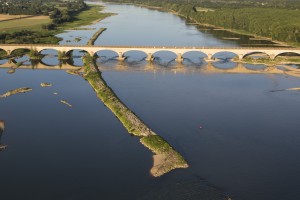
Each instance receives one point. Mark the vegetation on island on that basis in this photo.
(278, 20)
(166, 158)
(15, 91)
(62, 55)
(35, 55)
(268, 61)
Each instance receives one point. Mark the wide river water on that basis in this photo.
(248, 147)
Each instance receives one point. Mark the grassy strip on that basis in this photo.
(95, 36)
(86, 17)
(131, 122)
(169, 159)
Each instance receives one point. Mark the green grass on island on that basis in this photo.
(91, 14)
(268, 61)
(166, 158)
(156, 144)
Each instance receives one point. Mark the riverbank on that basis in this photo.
(165, 158)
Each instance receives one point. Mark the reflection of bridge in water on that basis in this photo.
(39, 65)
(149, 51)
(209, 67)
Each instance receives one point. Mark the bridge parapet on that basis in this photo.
(241, 52)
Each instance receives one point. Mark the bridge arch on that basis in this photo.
(225, 55)
(290, 53)
(18, 52)
(48, 49)
(3, 52)
(78, 52)
(51, 57)
(107, 53)
(193, 54)
(166, 54)
(256, 52)
(135, 54)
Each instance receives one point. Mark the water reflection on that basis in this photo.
(161, 65)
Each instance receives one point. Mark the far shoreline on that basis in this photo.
(196, 23)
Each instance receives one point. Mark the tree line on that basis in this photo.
(39, 7)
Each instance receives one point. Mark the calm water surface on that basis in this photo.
(248, 147)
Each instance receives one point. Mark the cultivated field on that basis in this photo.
(17, 23)
(7, 17)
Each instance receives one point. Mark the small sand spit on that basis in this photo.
(66, 103)
(16, 91)
(46, 84)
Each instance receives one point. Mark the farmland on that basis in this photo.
(4, 17)
(15, 24)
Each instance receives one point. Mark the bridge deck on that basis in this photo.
(149, 47)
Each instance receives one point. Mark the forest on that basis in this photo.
(275, 19)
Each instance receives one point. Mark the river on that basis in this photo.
(247, 148)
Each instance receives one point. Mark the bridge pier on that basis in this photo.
(91, 53)
(121, 56)
(179, 58)
(272, 57)
(209, 57)
(241, 56)
(149, 57)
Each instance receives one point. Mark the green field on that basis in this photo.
(32, 23)
(86, 17)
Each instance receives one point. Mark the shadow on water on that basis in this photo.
(189, 62)
(164, 63)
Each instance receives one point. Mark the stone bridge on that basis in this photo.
(149, 51)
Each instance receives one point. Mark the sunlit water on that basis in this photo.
(248, 146)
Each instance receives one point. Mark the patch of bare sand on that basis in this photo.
(158, 161)
(163, 163)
